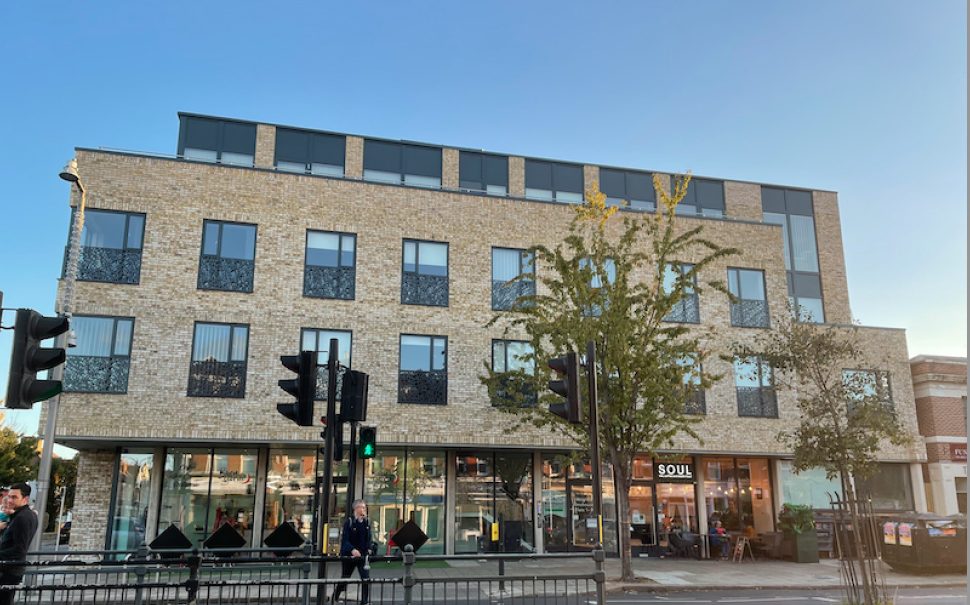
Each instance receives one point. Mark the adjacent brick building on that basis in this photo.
(200, 269)
(940, 386)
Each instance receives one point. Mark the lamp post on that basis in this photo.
(66, 308)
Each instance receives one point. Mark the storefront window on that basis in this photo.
(474, 498)
(676, 510)
(513, 501)
(554, 513)
(232, 491)
(754, 494)
(737, 492)
(889, 487)
(493, 488)
(642, 468)
(289, 490)
(809, 487)
(132, 498)
(720, 493)
(642, 516)
(400, 487)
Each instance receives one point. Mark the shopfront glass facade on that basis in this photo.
(737, 492)
(400, 485)
(493, 488)
(132, 499)
(809, 487)
(568, 522)
(289, 490)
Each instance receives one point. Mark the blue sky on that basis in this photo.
(865, 98)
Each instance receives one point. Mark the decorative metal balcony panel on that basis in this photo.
(322, 382)
(111, 265)
(696, 402)
(687, 311)
(431, 290)
(217, 379)
(750, 314)
(757, 401)
(232, 274)
(504, 294)
(329, 282)
(423, 387)
(90, 374)
(514, 389)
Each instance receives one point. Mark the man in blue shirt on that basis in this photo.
(355, 543)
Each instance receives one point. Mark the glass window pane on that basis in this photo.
(498, 356)
(567, 177)
(236, 159)
(438, 360)
(733, 282)
(381, 176)
(538, 175)
(103, 229)
(710, 194)
(133, 495)
(201, 133)
(322, 249)
(752, 285)
(613, 183)
(240, 336)
(538, 194)
(422, 181)
(185, 492)
(746, 373)
(238, 241)
(496, 190)
(415, 353)
(211, 342)
(470, 171)
(670, 278)
(433, 259)
(308, 340)
(291, 166)
(798, 202)
(323, 345)
(422, 161)
(639, 186)
(505, 264)
(210, 238)
(136, 226)
(382, 156)
(781, 219)
(803, 243)
(348, 248)
(518, 356)
(289, 491)
(326, 169)
(810, 310)
(328, 150)
(773, 200)
(496, 172)
(123, 337)
(200, 155)
(569, 197)
(93, 336)
(238, 139)
(410, 256)
(291, 147)
(232, 498)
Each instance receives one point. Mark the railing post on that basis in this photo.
(501, 574)
(599, 556)
(141, 570)
(409, 580)
(307, 568)
(192, 584)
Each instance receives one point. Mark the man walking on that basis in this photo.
(355, 543)
(16, 538)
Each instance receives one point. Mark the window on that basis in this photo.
(755, 388)
(423, 376)
(424, 280)
(704, 197)
(212, 140)
(514, 357)
(627, 188)
(750, 310)
(319, 341)
(386, 162)
(508, 264)
(101, 360)
(483, 172)
(553, 182)
(228, 256)
(687, 309)
(330, 270)
(219, 353)
(310, 152)
(793, 210)
(867, 386)
(695, 402)
(111, 245)
(132, 498)
(889, 486)
(608, 270)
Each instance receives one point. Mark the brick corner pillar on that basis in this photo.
(265, 146)
(354, 158)
(516, 176)
(449, 168)
(92, 497)
(831, 258)
(742, 200)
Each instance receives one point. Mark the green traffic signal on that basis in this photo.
(368, 442)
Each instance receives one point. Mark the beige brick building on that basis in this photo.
(199, 270)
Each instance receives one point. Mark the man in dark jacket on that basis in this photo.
(16, 538)
(355, 543)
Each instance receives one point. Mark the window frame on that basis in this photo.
(218, 253)
(625, 173)
(431, 341)
(350, 353)
(698, 209)
(482, 158)
(885, 385)
(114, 336)
(126, 248)
(764, 286)
(340, 248)
(184, 120)
(552, 181)
(522, 253)
(685, 268)
(308, 163)
(402, 164)
(762, 387)
(232, 327)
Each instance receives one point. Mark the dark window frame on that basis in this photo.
(232, 326)
(682, 303)
(218, 253)
(81, 246)
(340, 248)
(417, 265)
(630, 203)
(350, 353)
(402, 163)
(696, 393)
(483, 158)
(114, 336)
(184, 121)
(764, 286)
(552, 180)
(762, 387)
(698, 208)
(877, 374)
(308, 158)
(506, 342)
(523, 253)
(431, 341)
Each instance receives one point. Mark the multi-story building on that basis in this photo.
(940, 386)
(199, 270)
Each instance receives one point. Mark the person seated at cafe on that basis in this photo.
(719, 538)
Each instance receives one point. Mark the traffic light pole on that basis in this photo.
(328, 465)
(594, 440)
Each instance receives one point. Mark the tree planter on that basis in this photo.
(804, 546)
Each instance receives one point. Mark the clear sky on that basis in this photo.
(865, 98)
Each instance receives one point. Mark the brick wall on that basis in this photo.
(92, 499)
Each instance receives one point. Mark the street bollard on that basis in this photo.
(599, 556)
(409, 580)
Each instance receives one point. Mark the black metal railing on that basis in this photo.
(505, 294)
(696, 402)
(217, 379)
(515, 390)
(759, 402)
(429, 387)
(417, 289)
(231, 274)
(687, 310)
(113, 265)
(329, 282)
(749, 314)
(90, 374)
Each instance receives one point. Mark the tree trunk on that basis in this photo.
(622, 489)
(870, 591)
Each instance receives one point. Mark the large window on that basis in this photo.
(132, 497)
(628, 189)
(212, 140)
(868, 386)
(704, 197)
(687, 308)
(400, 163)
(754, 384)
(750, 307)
(319, 341)
(792, 209)
(310, 152)
(810, 487)
(597, 273)
(424, 278)
(483, 172)
(331, 268)
(737, 492)
(507, 265)
(423, 376)
(553, 182)
(289, 491)
(695, 402)
(202, 490)
(111, 244)
(513, 358)
(228, 257)
(102, 358)
(219, 353)
(493, 488)
(889, 486)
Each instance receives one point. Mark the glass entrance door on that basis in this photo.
(676, 510)
(584, 526)
(643, 530)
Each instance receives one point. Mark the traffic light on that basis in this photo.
(567, 386)
(28, 358)
(353, 397)
(368, 442)
(303, 387)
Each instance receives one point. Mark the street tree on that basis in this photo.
(846, 416)
(18, 456)
(616, 281)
